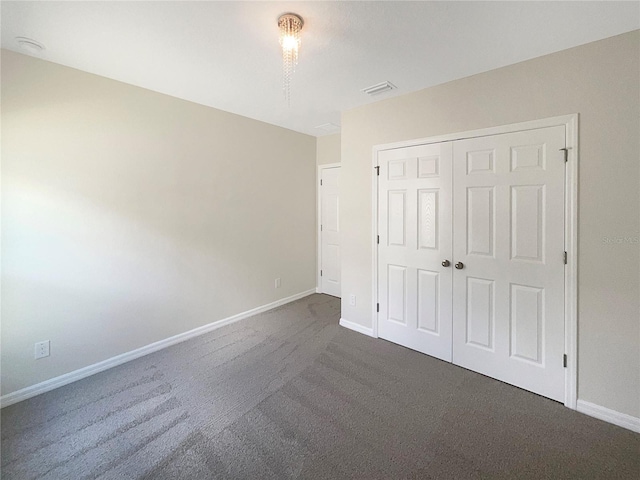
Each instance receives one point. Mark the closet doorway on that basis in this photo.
(475, 251)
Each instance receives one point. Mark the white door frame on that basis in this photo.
(571, 229)
(319, 221)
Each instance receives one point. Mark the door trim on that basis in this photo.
(570, 122)
(319, 170)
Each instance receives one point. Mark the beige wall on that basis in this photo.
(601, 82)
(328, 149)
(129, 216)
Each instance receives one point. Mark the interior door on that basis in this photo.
(330, 231)
(414, 285)
(508, 287)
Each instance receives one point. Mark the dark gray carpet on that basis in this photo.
(290, 394)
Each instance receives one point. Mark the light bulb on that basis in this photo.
(289, 42)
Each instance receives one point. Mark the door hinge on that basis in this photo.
(320, 272)
(320, 182)
(377, 307)
(378, 239)
(566, 154)
(565, 258)
(564, 360)
(320, 227)
(377, 170)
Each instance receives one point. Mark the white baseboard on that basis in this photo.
(53, 383)
(602, 413)
(356, 327)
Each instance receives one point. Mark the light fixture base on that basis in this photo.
(290, 17)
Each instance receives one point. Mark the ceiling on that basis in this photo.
(226, 54)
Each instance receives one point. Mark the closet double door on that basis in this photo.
(471, 254)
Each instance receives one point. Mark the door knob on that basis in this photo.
(459, 265)
(446, 263)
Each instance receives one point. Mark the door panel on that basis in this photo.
(480, 318)
(428, 296)
(508, 309)
(330, 232)
(397, 208)
(414, 289)
(428, 219)
(397, 289)
(527, 222)
(526, 321)
(480, 221)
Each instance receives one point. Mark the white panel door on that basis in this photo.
(330, 232)
(414, 226)
(508, 281)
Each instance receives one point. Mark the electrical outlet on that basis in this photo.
(352, 300)
(42, 349)
(278, 283)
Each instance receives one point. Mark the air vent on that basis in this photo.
(379, 88)
(29, 45)
(328, 127)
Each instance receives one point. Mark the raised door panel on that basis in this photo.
(331, 212)
(397, 293)
(396, 223)
(428, 218)
(480, 313)
(429, 166)
(480, 162)
(527, 319)
(428, 299)
(527, 222)
(397, 169)
(331, 271)
(528, 157)
(480, 221)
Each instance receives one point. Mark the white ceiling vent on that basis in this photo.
(379, 88)
(29, 44)
(329, 127)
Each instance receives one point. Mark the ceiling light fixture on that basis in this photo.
(29, 45)
(289, 25)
